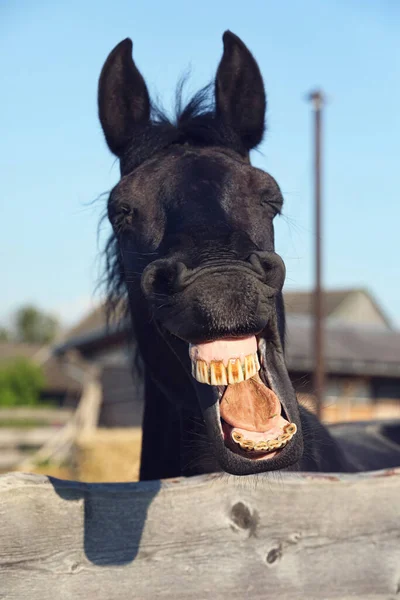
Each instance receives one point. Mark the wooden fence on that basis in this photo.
(294, 536)
(17, 441)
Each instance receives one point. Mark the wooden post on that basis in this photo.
(317, 100)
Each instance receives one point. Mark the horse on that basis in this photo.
(192, 249)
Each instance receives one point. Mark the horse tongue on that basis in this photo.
(249, 405)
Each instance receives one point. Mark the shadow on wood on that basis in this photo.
(210, 537)
(112, 525)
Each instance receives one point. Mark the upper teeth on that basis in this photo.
(216, 373)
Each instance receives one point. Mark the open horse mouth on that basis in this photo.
(246, 414)
(252, 418)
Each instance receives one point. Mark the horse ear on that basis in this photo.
(239, 92)
(123, 97)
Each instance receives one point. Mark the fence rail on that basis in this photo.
(211, 537)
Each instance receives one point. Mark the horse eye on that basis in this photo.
(273, 202)
(128, 213)
(126, 209)
(122, 215)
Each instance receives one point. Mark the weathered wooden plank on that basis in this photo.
(10, 458)
(212, 537)
(52, 416)
(12, 437)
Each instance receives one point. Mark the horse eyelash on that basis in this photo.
(276, 205)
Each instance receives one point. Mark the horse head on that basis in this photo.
(193, 226)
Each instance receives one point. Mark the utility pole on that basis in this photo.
(317, 100)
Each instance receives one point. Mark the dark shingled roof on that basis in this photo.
(91, 322)
(358, 349)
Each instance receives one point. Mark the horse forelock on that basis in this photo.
(195, 123)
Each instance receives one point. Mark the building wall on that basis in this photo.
(337, 387)
(352, 398)
(122, 404)
(385, 388)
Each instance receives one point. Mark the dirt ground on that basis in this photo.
(107, 455)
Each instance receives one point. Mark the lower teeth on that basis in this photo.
(265, 445)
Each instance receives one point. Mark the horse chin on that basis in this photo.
(246, 445)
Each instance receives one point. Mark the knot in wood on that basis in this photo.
(274, 554)
(243, 518)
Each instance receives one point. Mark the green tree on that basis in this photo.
(35, 326)
(20, 383)
(4, 334)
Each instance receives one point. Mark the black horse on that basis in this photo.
(193, 247)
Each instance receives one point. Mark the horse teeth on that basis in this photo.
(264, 445)
(235, 371)
(202, 372)
(291, 428)
(250, 366)
(273, 444)
(247, 445)
(261, 446)
(218, 373)
(237, 437)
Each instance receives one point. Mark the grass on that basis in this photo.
(23, 423)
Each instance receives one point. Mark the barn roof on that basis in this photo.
(91, 322)
(349, 348)
(301, 302)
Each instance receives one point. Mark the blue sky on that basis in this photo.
(54, 162)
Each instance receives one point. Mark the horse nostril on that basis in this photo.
(157, 278)
(270, 266)
(163, 277)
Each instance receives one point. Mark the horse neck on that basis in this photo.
(160, 458)
(174, 441)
